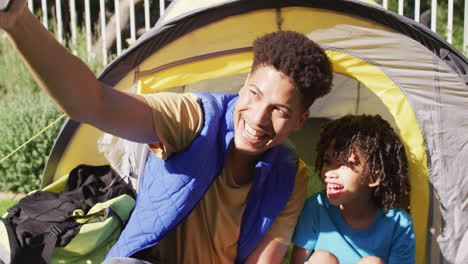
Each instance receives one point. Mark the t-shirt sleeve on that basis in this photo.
(404, 246)
(306, 233)
(283, 227)
(177, 119)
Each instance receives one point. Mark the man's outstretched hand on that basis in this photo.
(5, 4)
(9, 17)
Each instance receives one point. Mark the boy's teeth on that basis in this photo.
(334, 186)
(254, 134)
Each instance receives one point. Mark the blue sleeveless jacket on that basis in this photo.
(170, 189)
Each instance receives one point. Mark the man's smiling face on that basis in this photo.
(269, 108)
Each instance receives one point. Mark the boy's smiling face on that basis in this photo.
(344, 183)
(269, 108)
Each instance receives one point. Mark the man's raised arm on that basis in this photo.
(71, 84)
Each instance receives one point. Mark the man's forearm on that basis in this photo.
(63, 76)
(268, 251)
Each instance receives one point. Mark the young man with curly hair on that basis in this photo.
(359, 217)
(225, 189)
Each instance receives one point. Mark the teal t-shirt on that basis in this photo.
(321, 226)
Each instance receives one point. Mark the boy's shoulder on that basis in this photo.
(400, 219)
(399, 214)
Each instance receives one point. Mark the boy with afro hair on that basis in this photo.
(359, 217)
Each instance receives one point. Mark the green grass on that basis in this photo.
(5, 204)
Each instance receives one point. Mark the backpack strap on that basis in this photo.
(13, 242)
(56, 231)
(50, 239)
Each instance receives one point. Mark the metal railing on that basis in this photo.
(103, 8)
(433, 26)
(147, 4)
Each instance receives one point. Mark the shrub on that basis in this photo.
(24, 111)
(21, 117)
(14, 76)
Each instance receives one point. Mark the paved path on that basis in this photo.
(11, 196)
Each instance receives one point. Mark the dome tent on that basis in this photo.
(383, 63)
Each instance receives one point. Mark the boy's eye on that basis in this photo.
(351, 165)
(353, 168)
(254, 93)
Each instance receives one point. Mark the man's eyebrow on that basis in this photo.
(257, 89)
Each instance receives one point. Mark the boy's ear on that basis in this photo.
(376, 182)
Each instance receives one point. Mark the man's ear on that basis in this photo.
(302, 120)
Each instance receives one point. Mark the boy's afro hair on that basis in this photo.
(381, 147)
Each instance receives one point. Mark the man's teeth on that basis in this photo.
(252, 133)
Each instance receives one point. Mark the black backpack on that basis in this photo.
(44, 220)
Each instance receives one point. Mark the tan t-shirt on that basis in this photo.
(210, 233)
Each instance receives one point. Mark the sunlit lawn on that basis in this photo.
(5, 204)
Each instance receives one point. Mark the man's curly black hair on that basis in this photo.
(299, 58)
(379, 144)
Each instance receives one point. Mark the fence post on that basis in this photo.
(88, 29)
(44, 14)
(401, 4)
(58, 11)
(417, 10)
(118, 37)
(147, 16)
(162, 7)
(132, 22)
(434, 15)
(73, 26)
(102, 6)
(450, 21)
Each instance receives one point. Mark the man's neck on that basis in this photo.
(242, 166)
